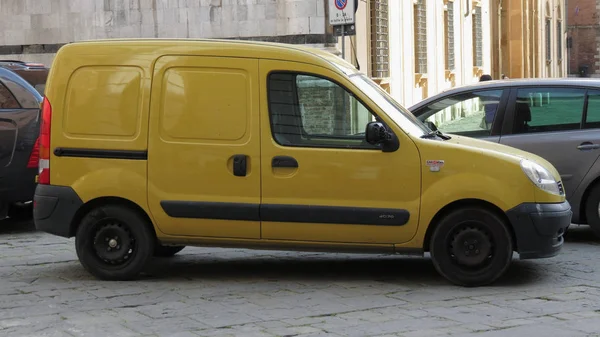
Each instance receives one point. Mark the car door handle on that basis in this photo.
(588, 146)
(240, 167)
(284, 161)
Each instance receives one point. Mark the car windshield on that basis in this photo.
(402, 117)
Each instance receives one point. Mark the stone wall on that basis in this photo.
(323, 104)
(31, 29)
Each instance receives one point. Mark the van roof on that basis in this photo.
(227, 47)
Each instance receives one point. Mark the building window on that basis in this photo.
(449, 34)
(548, 40)
(559, 40)
(420, 18)
(548, 34)
(477, 38)
(380, 59)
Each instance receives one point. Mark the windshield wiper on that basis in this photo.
(436, 133)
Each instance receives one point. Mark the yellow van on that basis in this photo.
(149, 145)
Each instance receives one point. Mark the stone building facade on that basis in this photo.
(529, 38)
(425, 46)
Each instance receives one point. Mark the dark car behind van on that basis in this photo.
(21, 93)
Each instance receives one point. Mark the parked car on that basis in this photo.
(19, 148)
(34, 73)
(558, 119)
(150, 145)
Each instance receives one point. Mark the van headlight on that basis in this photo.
(541, 177)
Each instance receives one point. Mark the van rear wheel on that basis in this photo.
(471, 247)
(114, 242)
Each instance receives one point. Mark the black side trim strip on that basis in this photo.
(286, 213)
(100, 153)
(211, 210)
(334, 215)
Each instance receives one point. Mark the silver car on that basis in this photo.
(558, 119)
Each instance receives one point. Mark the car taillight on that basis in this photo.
(35, 155)
(44, 144)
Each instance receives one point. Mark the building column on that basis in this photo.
(515, 37)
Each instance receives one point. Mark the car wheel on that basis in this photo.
(114, 242)
(471, 247)
(592, 210)
(20, 212)
(166, 251)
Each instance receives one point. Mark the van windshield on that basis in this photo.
(402, 117)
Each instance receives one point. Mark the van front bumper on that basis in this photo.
(54, 208)
(539, 228)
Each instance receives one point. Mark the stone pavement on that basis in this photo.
(234, 292)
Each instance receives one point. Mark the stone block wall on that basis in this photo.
(39, 27)
(323, 104)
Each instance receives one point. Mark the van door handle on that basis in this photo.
(284, 161)
(240, 167)
(588, 146)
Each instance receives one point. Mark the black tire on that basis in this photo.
(122, 258)
(485, 250)
(166, 251)
(591, 210)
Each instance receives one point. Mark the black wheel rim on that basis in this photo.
(113, 243)
(471, 246)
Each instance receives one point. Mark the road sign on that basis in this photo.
(344, 30)
(341, 12)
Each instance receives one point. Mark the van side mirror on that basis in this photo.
(431, 125)
(376, 133)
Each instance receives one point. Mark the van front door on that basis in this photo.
(204, 147)
(321, 181)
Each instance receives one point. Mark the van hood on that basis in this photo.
(485, 146)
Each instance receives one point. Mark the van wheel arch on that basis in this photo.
(461, 204)
(584, 198)
(102, 201)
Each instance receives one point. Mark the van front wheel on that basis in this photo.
(471, 247)
(114, 242)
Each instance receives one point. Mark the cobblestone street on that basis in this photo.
(216, 292)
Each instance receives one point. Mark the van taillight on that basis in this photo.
(44, 144)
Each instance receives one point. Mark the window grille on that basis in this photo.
(380, 59)
(559, 37)
(477, 38)
(420, 17)
(548, 39)
(450, 65)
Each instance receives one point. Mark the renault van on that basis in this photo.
(151, 145)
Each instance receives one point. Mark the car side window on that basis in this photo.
(470, 114)
(312, 111)
(592, 118)
(7, 99)
(542, 109)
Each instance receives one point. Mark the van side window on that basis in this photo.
(313, 111)
(7, 99)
